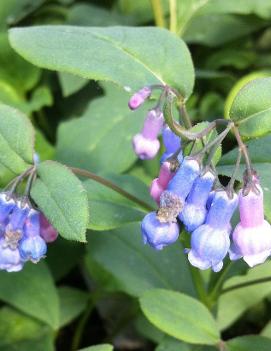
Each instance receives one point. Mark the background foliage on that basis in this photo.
(113, 290)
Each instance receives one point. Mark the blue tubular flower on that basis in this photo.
(14, 228)
(10, 260)
(6, 206)
(172, 144)
(158, 234)
(210, 242)
(172, 200)
(32, 246)
(194, 212)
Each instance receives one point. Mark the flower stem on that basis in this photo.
(173, 16)
(158, 13)
(109, 184)
(245, 284)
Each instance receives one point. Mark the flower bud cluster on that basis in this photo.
(24, 233)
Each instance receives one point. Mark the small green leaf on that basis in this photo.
(33, 292)
(251, 108)
(249, 343)
(180, 316)
(70, 83)
(137, 267)
(140, 62)
(102, 347)
(61, 197)
(72, 304)
(16, 142)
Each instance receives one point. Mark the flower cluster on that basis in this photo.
(24, 233)
(188, 193)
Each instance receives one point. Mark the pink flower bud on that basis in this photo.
(47, 231)
(160, 184)
(139, 98)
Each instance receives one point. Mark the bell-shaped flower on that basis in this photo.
(159, 184)
(158, 234)
(146, 144)
(10, 260)
(252, 236)
(172, 200)
(139, 98)
(172, 144)
(210, 242)
(7, 204)
(194, 211)
(32, 246)
(47, 231)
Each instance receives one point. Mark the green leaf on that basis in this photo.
(97, 140)
(249, 343)
(61, 197)
(232, 304)
(72, 304)
(18, 332)
(171, 344)
(180, 316)
(259, 151)
(251, 108)
(33, 292)
(140, 62)
(43, 148)
(16, 142)
(70, 83)
(109, 209)
(102, 347)
(138, 267)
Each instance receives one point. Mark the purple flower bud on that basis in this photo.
(139, 98)
(158, 234)
(6, 206)
(47, 231)
(14, 228)
(172, 144)
(252, 236)
(210, 242)
(32, 246)
(194, 212)
(145, 144)
(172, 200)
(159, 184)
(10, 260)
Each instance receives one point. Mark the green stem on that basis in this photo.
(185, 116)
(158, 13)
(173, 16)
(199, 286)
(243, 285)
(109, 184)
(218, 284)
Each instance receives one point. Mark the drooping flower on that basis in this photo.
(159, 184)
(32, 246)
(146, 144)
(14, 229)
(172, 200)
(139, 98)
(158, 234)
(210, 242)
(252, 236)
(7, 204)
(194, 211)
(172, 144)
(47, 231)
(10, 259)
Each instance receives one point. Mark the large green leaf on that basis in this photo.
(136, 50)
(249, 343)
(62, 198)
(101, 139)
(19, 332)
(180, 316)
(33, 292)
(16, 142)
(137, 267)
(109, 209)
(102, 347)
(251, 108)
(232, 304)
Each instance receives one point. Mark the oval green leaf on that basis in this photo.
(144, 55)
(180, 316)
(249, 343)
(251, 108)
(61, 197)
